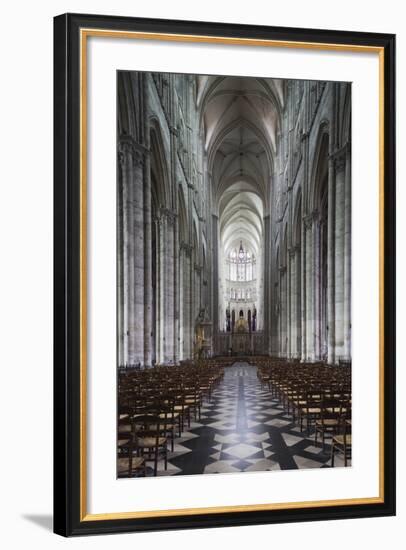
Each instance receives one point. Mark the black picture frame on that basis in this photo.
(68, 519)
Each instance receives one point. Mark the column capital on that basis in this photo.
(170, 215)
(308, 221)
(128, 148)
(292, 250)
(315, 215)
(340, 162)
(187, 248)
(338, 157)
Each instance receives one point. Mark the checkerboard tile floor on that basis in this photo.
(243, 430)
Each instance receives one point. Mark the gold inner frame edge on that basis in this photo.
(84, 34)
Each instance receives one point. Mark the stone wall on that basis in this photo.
(168, 233)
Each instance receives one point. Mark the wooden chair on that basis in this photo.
(128, 454)
(149, 439)
(192, 398)
(293, 393)
(181, 408)
(342, 441)
(206, 384)
(168, 417)
(311, 409)
(328, 422)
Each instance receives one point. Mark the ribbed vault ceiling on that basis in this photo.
(240, 118)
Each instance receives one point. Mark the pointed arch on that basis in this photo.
(297, 220)
(159, 167)
(127, 108)
(319, 173)
(320, 209)
(183, 216)
(346, 118)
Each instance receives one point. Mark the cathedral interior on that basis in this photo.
(234, 274)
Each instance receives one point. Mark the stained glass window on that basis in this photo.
(241, 264)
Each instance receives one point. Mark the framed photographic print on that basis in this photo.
(224, 274)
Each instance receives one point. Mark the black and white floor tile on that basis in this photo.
(243, 430)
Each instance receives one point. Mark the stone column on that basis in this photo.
(347, 258)
(304, 330)
(192, 316)
(288, 304)
(317, 320)
(155, 311)
(176, 283)
(283, 312)
(298, 305)
(161, 290)
(303, 294)
(339, 256)
(215, 281)
(126, 152)
(309, 284)
(168, 291)
(188, 305)
(331, 262)
(137, 326)
(182, 300)
(184, 279)
(196, 270)
(277, 343)
(294, 298)
(120, 264)
(267, 301)
(292, 302)
(148, 328)
(197, 289)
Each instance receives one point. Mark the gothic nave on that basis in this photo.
(234, 273)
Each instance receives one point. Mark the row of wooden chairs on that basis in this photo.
(154, 406)
(317, 396)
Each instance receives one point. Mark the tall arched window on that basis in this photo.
(233, 265)
(241, 264)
